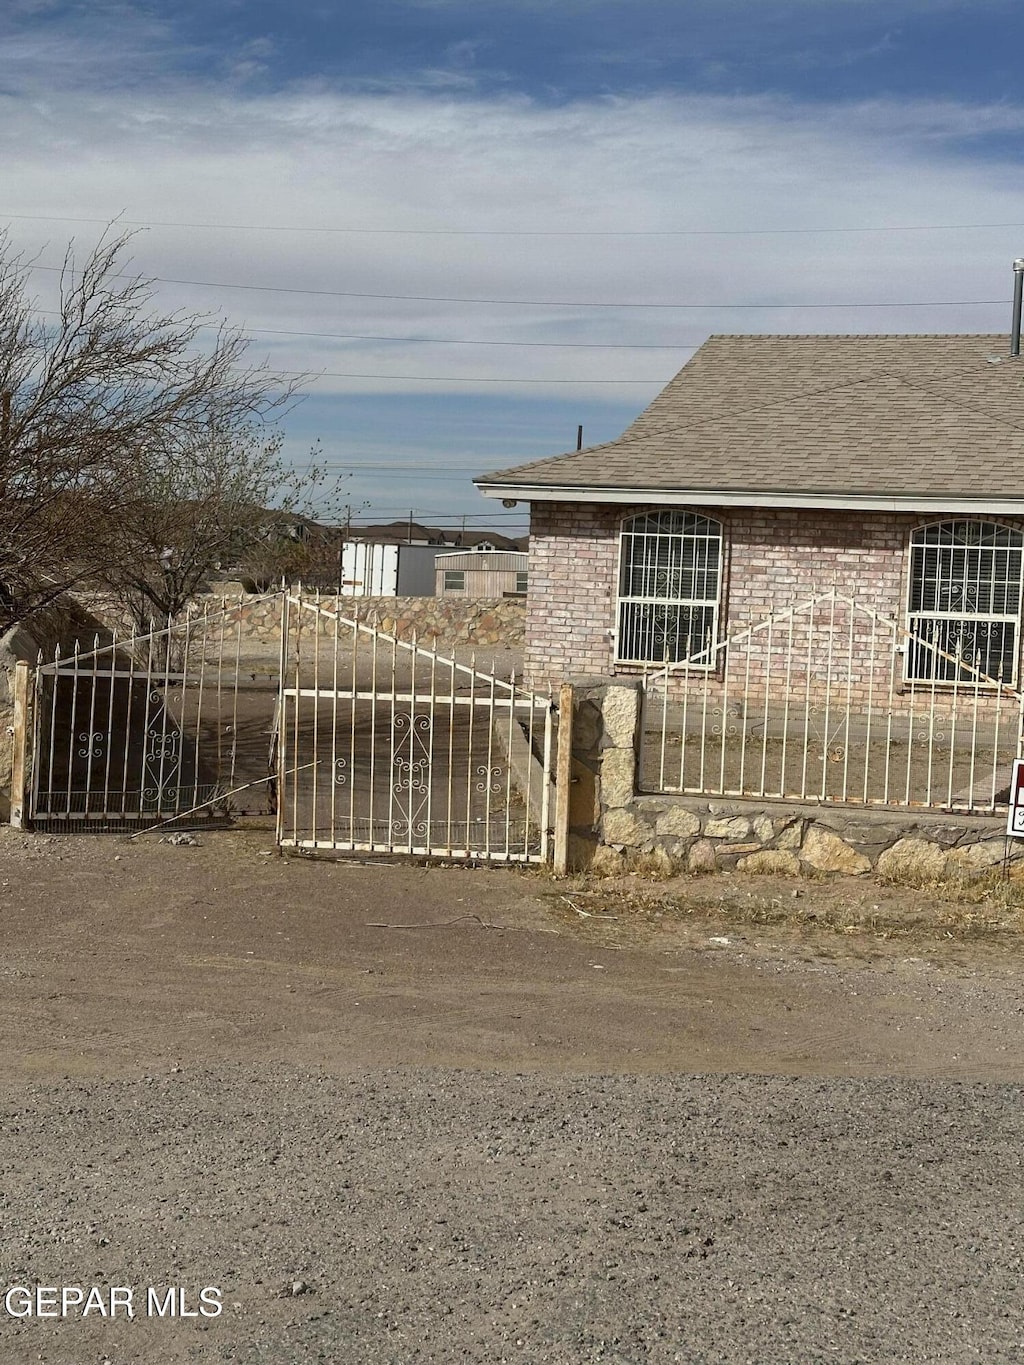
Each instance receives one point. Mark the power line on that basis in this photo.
(398, 464)
(464, 478)
(513, 232)
(528, 303)
(462, 341)
(460, 379)
(452, 341)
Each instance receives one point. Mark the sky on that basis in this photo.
(474, 225)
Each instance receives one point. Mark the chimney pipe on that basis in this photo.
(579, 429)
(1018, 301)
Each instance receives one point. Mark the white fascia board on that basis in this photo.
(716, 497)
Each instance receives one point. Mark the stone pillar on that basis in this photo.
(620, 716)
(604, 769)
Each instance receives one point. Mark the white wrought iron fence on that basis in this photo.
(149, 726)
(388, 746)
(816, 703)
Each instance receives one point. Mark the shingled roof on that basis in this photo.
(840, 421)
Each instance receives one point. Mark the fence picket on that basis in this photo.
(444, 749)
(822, 682)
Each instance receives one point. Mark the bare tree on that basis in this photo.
(192, 502)
(94, 399)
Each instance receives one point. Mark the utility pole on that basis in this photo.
(346, 536)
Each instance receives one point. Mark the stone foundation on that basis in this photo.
(613, 827)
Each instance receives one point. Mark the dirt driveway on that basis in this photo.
(398, 1114)
(122, 955)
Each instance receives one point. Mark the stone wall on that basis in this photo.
(445, 620)
(611, 826)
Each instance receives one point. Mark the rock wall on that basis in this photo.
(256, 618)
(488, 621)
(612, 826)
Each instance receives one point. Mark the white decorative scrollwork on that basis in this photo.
(491, 777)
(926, 729)
(161, 746)
(162, 795)
(827, 736)
(161, 779)
(724, 722)
(340, 775)
(92, 742)
(411, 763)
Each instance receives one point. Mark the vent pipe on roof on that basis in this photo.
(1018, 300)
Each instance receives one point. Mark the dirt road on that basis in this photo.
(468, 1116)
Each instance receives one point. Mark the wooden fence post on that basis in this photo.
(19, 767)
(563, 779)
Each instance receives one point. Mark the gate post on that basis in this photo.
(563, 779)
(280, 721)
(19, 768)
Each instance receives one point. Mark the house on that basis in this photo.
(487, 540)
(813, 544)
(890, 468)
(402, 532)
(483, 572)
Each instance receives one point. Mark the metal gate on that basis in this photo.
(152, 727)
(390, 747)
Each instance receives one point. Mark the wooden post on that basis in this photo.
(563, 779)
(19, 769)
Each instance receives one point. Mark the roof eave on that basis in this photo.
(748, 497)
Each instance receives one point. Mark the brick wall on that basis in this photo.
(773, 558)
(571, 587)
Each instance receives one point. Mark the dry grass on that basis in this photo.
(987, 908)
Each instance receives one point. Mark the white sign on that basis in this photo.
(1015, 819)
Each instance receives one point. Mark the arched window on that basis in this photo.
(964, 602)
(669, 581)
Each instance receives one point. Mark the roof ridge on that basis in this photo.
(854, 336)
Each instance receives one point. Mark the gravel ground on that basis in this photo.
(433, 1215)
(480, 1116)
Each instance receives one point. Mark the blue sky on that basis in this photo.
(464, 219)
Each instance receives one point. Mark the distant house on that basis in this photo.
(481, 573)
(485, 540)
(402, 532)
(398, 558)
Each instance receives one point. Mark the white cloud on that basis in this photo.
(316, 158)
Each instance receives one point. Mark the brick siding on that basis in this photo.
(773, 559)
